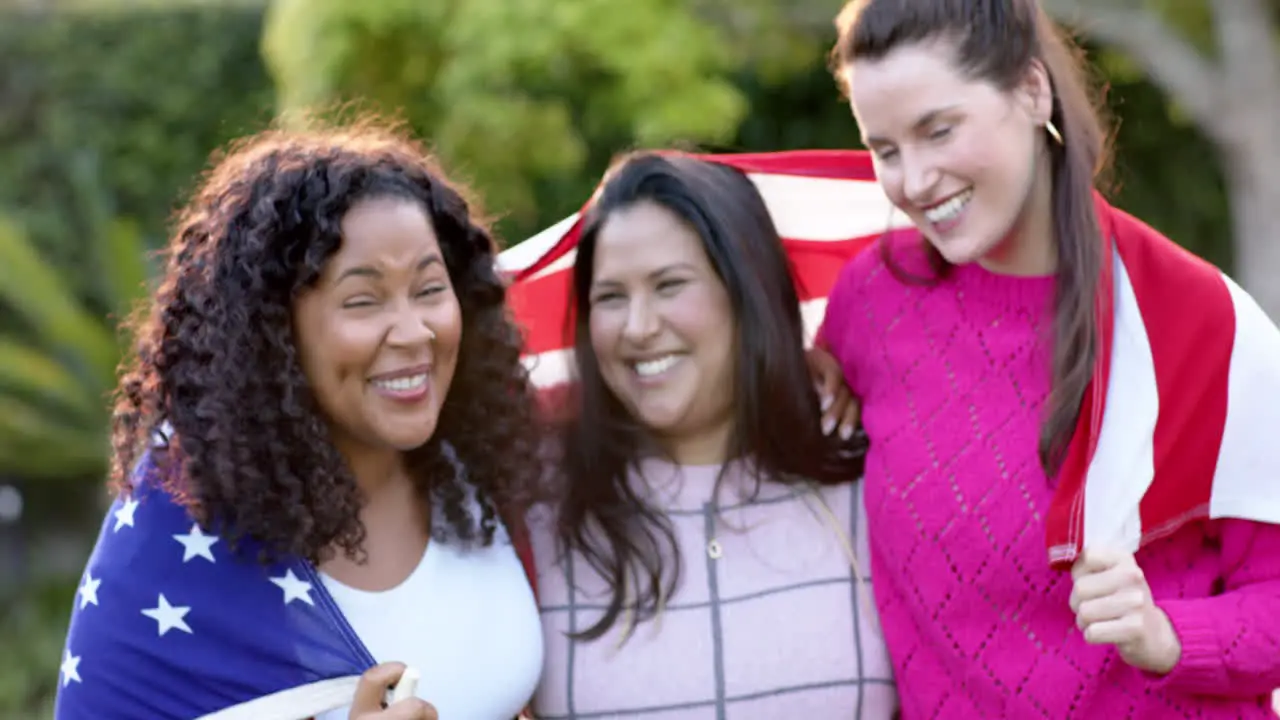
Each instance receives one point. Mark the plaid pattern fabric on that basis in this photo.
(779, 625)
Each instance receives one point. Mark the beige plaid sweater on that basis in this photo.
(769, 621)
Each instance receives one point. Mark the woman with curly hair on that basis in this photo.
(328, 348)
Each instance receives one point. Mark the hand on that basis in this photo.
(374, 684)
(839, 407)
(1113, 606)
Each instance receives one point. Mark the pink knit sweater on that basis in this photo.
(953, 379)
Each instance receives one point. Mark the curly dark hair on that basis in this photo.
(216, 370)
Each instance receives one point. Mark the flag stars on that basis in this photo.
(196, 544)
(294, 588)
(168, 617)
(124, 516)
(70, 669)
(88, 591)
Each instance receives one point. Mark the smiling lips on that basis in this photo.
(652, 369)
(410, 385)
(944, 216)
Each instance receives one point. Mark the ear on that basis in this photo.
(1035, 93)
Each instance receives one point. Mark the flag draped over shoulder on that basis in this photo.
(1180, 422)
(1182, 419)
(167, 623)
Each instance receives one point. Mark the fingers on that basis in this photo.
(843, 414)
(839, 408)
(373, 687)
(1121, 604)
(1109, 596)
(1121, 631)
(410, 709)
(827, 376)
(1096, 560)
(832, 412)
(1106, 583)
(849, 421)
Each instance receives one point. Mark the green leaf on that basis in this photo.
(124, 263)
(26, 370)
(508, 114)
(32, 289)
(32, 444)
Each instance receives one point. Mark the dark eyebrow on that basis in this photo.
(598, 284)
(924, 120)
(668, 268)
(370, 271)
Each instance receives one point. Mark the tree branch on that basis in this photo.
(1251, 66)
(1194, 81)
(1246, 38)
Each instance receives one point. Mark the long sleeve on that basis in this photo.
(1231, 642)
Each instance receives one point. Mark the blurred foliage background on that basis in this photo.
(110, 110)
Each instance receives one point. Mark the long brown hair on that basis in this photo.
(628, 542)
(996, 41)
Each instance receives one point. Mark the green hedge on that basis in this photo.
(113, 113)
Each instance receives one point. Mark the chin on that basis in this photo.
(962, 250)
(658, 420)
(410, 438)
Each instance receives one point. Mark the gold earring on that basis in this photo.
(1053, 131)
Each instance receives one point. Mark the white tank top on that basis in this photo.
(465, 619)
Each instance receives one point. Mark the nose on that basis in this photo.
(919, 179)
(642, 321)
(409, 328)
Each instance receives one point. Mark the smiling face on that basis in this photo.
(378, 334)
(662, 327)
(959, 156)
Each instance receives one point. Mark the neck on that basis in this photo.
(1030, 247)
(380, 474)
(705, 447)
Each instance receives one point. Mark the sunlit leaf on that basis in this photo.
(508, 113)
(31, 288)
(26, 370)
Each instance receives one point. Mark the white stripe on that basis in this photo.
(564, 262)
(1123, 465)
(554, 367)
(1247, 480)
(525, 254)
(811, 314)
(300, 702)
(549, 369)
(806, 208)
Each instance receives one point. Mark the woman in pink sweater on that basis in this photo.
(704, 563)
(971, 342)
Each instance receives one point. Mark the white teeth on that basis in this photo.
(948, 209)
(649, 368)
(403, 384)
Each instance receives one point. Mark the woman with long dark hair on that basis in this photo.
(986, 344)
(328, 345)
(703, 561)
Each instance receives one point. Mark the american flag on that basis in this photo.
(167, 623)
(1180, 420)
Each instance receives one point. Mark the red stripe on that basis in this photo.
(830, 164)
(1190, 321)
(1064, 526)
(833, 164)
